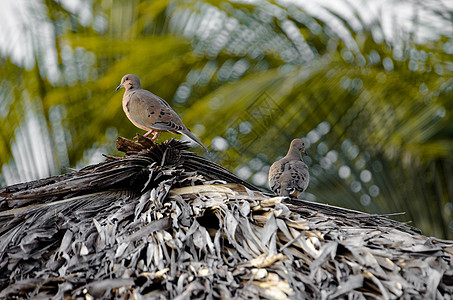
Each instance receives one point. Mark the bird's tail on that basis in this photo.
(194, 138)
(284, 191)
(287, 191)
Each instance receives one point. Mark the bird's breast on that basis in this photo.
(127, 102)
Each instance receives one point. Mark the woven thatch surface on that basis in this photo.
(168, 224)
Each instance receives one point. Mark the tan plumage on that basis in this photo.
(150, 112)
(289, 176)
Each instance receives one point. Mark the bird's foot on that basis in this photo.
(136, 138)
(155, 134)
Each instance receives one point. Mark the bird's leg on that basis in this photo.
(149, 132)
(155, 135)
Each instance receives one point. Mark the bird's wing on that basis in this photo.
(299, 175)
(153, 112)
(287, 177)
(275, 172)
(168, 125)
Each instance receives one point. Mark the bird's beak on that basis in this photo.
(305, 152)
(120, 86)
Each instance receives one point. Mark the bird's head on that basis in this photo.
(299, 146)
(129, 82)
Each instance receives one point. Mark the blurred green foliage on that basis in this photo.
(375, 110)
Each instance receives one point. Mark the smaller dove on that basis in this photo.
(150, 112)
(288, 177)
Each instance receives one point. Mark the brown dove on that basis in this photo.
(150, 112)
(288, 176)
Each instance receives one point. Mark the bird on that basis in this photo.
(150, 112)
(288, 177)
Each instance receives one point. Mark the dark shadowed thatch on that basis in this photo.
(165, 223)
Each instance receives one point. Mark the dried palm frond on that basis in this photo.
(165, 223)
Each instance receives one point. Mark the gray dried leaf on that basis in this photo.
(160, 224)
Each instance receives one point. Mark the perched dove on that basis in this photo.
(150, 112)
(289, 176)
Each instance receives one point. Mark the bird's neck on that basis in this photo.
(132, 88)
(293, 154)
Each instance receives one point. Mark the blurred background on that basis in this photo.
(367, 84)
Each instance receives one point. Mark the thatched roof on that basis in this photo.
(164, 223)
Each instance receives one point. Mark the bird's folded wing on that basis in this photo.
(153, 112)
(168, 125)
(274, 175)
(143, 109)
(301, 170)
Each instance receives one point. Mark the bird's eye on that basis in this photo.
(126, 79)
